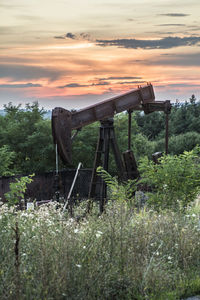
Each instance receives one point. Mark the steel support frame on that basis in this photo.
(106, 140)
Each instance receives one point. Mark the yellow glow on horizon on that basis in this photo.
(73, 46)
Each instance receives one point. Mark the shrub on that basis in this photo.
(175, 180)
(17, 190)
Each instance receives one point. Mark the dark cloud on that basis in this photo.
(72, 85)
(100, 83)
(174, 15)
(59, 37)
(166, 25)
(164, 43)
(77, 85)
(120, 78)
(70, 35)
(161, 32)
(85, 36)
(131, 82)
(20, 85)
(24, 72)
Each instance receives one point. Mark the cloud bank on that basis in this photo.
(174, 15)
(20, 85)
(164, 43)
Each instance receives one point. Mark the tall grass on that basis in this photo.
(121, 254)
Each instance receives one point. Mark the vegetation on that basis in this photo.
(26, 139)
(128, 252)
(174, 181)
(17, 190)
(123, 254)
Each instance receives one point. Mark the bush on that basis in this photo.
(17, 190)
(179, 143)
(175, 180)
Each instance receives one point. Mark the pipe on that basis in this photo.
(72, 186)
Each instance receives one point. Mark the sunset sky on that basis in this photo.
(73, 53)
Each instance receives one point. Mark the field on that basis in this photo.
(124, 253)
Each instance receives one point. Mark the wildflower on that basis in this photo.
(76, 230)
(78, 266)
(99, 233)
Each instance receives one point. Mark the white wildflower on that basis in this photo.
(99, 233)
(78, 266)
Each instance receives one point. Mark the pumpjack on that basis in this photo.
(64, 121)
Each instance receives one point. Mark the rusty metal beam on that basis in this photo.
(110, 107)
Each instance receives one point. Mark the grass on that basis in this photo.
(122, 254)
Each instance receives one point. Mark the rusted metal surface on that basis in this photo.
(130, 165)
(106, 139)
(129, 128)
(61, 130)
(166, 133)
(150, 107)
(110, 107)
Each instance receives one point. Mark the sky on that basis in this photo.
(74, 53)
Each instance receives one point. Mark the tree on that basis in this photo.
(6, 161)
(28, 135)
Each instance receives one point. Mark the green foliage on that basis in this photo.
(179, 143)
(28, 135)
(120, 255)
(17, 190)
(175, 180)
(150, 125)
(84, 145)
(122, 193)
(142, 146)
(6, 161)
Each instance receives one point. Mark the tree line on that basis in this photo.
(26, 143)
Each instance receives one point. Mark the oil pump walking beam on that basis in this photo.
(63, 121)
